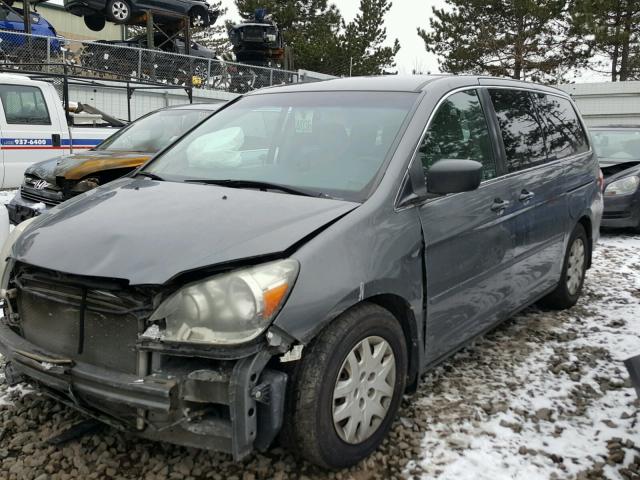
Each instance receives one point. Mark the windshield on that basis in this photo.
(329, 143)
(617, 144)
(153, 132)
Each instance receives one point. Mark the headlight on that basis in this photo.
(227, 309)
(86, 185)
(624, 186)
(6, 249)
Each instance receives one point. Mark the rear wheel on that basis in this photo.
(197, 17)
(347, 389)
(119, 11)
(574, 269)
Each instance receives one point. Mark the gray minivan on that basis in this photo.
(294, 263)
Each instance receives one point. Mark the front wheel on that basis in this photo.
(574, 268)
(347, 389)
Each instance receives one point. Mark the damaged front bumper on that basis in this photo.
(232, 405)
(21, 208)
(622, 211)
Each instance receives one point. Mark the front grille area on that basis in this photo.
(40, 196)
(83, 322)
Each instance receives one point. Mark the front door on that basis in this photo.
(469, 237)
(30, 132)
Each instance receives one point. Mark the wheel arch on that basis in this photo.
(198, 8)
(401, 310)
(585, 221)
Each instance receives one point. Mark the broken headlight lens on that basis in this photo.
(5, 249)
(86, 185)
(227, 309)
(624, 186)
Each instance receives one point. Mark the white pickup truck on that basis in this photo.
(33, 127)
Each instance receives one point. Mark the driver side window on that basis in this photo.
(459, 130)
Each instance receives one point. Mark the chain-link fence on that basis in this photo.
(107, 61)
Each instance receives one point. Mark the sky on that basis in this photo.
(401, 22)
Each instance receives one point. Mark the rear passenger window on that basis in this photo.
(522, 130)
(565, 136)
(459, 130)
(24, 105)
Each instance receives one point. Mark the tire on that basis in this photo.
(569, 288)
(310, 429)
(119, 11)
(198, 18)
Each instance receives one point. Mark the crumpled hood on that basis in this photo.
(79, 165)
(617, 171)
(148, 231)
(607, 162)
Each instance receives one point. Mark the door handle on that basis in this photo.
(499, 205)
(526, 195)
(55, 140)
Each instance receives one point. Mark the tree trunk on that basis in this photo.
(626, 40)
(616, 42)
(518, 50)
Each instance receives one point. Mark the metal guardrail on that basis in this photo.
(97, 60)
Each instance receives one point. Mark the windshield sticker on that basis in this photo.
(304, 121)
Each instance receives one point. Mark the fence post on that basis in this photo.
(208, 74)
(139, 64)
(271, 77)
(49, 54)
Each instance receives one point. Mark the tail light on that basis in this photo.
(600, 181)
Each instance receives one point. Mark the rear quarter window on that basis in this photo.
(565, 135)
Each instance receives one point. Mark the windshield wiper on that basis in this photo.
(150, 175)
(258, 185)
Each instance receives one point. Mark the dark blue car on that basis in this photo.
(12, 20)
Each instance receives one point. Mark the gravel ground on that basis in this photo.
(543, 396)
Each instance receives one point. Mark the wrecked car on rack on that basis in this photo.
(292, 264)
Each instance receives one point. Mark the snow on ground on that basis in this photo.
(6, 196)
(543, 396)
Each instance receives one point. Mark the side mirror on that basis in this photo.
(454, 176)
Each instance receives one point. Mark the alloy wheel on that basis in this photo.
(120, 10)
(364, 389)
(197, 21)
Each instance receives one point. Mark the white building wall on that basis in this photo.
(607, 103)
(114, 100)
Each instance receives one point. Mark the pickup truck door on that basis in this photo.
(33, 129)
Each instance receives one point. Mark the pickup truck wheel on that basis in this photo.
(119, 11)
(347, 388)
(574, 269)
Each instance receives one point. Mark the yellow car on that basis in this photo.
(53, 181)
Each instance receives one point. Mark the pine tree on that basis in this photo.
(522, 39)
(613, 28)
(362, 46)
